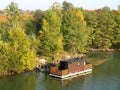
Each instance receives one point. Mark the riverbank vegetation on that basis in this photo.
(61, 29)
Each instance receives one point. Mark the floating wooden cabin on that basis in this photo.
(71, 67)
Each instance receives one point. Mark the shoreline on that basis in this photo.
(103, 50)
(89, 50)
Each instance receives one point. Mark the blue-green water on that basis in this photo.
(105, 76)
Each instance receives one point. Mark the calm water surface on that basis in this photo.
(105, 76)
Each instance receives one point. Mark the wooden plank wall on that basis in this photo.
(56, 71)
(76, 67)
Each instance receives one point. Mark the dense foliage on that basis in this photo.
(74, 31)
(51, 33)
(105, 26)
(16, 51)
(50, 36)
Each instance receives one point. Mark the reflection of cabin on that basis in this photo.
(72, 81)
(70, 67)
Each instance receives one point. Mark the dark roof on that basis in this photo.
(73, 60)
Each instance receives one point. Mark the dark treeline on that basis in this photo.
(25, 35)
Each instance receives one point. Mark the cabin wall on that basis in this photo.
(56, 71)
(64, 72)
(76, 67)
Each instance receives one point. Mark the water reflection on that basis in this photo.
(18, 82)
(71, 81)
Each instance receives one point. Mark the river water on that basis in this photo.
(105, 76)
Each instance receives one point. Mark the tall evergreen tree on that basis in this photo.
(50, 36)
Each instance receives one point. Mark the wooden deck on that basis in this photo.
(72, 74)
(63, 74)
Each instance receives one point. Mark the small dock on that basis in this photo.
(71, 68)
(72, 74)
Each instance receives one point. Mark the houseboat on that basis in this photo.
(71, 67)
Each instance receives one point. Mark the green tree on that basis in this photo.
(13, 15)
(22, 56)
(66, 5)
(91, 18)
(17, 53)
(57, 8)
(16, 50)
(3, 58)
(106, 24)
(50, 36)
(74, 31)
(116, 32)
(119, 9)
(38, 16)
(102, 24)
(30, 27)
